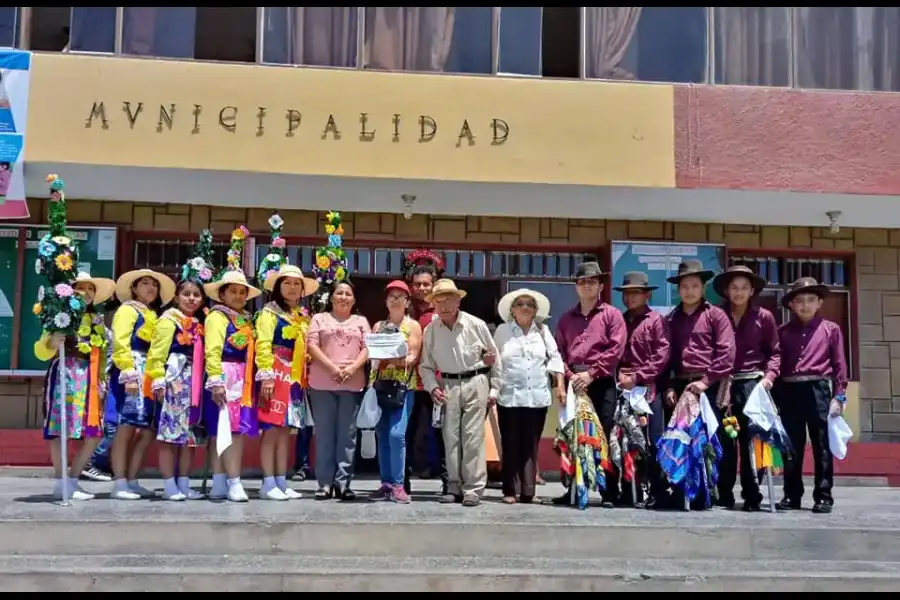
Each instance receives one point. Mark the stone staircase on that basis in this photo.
(105, 545)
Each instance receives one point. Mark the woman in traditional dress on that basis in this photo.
(281, 329)
(229, 348)
(395, 382)
(175, 368)
(141, 293)
(85, 377)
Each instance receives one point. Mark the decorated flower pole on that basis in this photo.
(331, 261)
(58, 307)
(273, 260)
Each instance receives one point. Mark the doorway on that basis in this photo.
(482, 296)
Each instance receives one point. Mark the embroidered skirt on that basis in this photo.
(78, 384)
(137, 410)
(177, 419)
(242, 418)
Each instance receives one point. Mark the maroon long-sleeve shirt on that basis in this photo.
(595, 341)
(702, 343)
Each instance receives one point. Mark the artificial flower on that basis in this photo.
(46, 249)
(275, 222)
(84, 347)
(204, 274)
(62, 320)
(98, 341)
(63, 290)
(61, 240)
(85, 329)
(278, 242)
(64, 262)
(40, 294)
(38, 265)
(75, 303)
(37, 308)
(329, 229)
(323, 262)
(340, 273)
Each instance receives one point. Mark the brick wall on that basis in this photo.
(878, 262)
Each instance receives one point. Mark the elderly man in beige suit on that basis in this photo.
(459, 348)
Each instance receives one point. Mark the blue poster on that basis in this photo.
(15, 78)
(660, 260)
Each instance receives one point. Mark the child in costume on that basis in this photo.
(229, 348)
(66, 310)
(281, 328)
(175, 368)
(141, 293)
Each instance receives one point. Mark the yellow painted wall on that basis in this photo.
(597, 133)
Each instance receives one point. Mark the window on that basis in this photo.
(317, 36)
(50, 28)
(752, 45)
(202, 32)
(8, 26)
(560, 42)
(781, 272)
(445, 39)
(520, 40)
(848, 47)
(648, 43)
(93, 29)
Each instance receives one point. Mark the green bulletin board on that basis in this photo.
(97, 256)
(660, 260)
(8, 267)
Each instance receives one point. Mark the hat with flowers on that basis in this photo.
(199, 267)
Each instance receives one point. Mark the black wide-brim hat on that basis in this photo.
(804, 285)
(723, 280)
(635, 280)
(588, 269)
(692, 267)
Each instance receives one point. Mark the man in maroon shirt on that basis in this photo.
(757, 359)
(424, 267)
(702, 354)
(812, 387)
(645, 359)
(591, 339)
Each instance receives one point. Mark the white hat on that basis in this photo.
(504, 307)
(310, 285)
(103, 287)
(231, 276)
(125, 281)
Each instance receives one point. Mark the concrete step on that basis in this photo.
(186, 573)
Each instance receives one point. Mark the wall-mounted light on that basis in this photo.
(833, 226)
(408, 202)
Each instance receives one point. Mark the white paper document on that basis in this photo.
(223, 432)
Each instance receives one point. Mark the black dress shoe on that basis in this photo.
(564, 500)
(788, 504)
(344, 494)
(822, 508)
(750, 507)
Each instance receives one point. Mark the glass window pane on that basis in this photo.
(648, 43)
(520, 40)
(93, 29)
(225, 33)
(319, 36)
(166, 31)
(8, 26)
(848, 47)
(450, 39)
(753, 45)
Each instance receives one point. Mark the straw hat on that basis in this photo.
(125, 281)
(310, 285)
(504, 307)
(103, 287)
(230, 276)
(723, 280)
(692, 267)
(443, 287)
(804, 285)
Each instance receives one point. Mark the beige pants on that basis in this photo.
(463, 431)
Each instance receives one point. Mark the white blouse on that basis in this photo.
(527, 359)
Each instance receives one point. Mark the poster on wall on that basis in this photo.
(660, 260)
(15, 76)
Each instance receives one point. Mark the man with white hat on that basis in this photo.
(460, 346)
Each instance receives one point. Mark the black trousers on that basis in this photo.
(416, 429)
(731, 449)
(656, 424)
(805, 406)
(679, 385)
(520, 434)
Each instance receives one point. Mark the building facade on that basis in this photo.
(515, 139)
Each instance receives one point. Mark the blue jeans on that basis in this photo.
(100, 458)
(391, 432)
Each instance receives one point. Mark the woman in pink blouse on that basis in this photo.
(336, 342)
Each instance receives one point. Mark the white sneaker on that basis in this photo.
(176, 497)
(292, 494)
(141, 490)
(272, 493)
(191, 494)
(236, 493)
(124, 494)
(73, 492)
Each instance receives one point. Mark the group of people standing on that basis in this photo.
(190, 365)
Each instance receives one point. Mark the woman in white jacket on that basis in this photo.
(532, 376)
